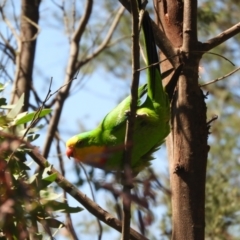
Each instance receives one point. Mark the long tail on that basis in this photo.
(155, 88)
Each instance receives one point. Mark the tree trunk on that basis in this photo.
(26, 51)
(187, 143)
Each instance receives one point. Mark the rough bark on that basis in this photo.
(187, 143)
(26, 51)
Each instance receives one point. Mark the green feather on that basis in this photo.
(103, 146)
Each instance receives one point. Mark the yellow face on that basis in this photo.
(92, 155)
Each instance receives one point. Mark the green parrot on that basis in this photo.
(103, 147)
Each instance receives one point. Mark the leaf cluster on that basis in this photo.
(28, 204)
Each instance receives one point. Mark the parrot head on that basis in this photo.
(83, 148)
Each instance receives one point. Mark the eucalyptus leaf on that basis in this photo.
(3, 86)
(3, 121)
(31, 130)
(33, 137)
(3, 101)
(11, 106)
(47, 196)
(48, 180)
(13, 113)
(32, 178)
(63, 207)
(31, 116)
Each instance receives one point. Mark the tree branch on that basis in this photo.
(73, 67)
(91, 206)
(161, 39)
(106, 41)
(189, 25)
(69, 223)
(220, 78)
(71, 70)
(63, 183)
(222, 37)
(127, 185)
(26, 42)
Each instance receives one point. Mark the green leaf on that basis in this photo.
(33, 115)
(13, 113)
(33, 137)
(3, 86)
(3, 101)
(11, 106)
(31, 130)
(47, 196)
(48, 180)
(3, 121)
(62, 207)
(20, 155)
(32, 178)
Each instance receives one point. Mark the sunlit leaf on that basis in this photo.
(13, 113)
(48, 180)
(33, 137)
(3, 86)
(33, 115)
(3, 121)
(63, 207)
(11, 106)
(33, 178)
(46, 196)
(31, 130)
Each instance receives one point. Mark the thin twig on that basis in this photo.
(15, 17)
(69, 223)
(8, 46)
(105, 42)
(130, 123)
(90, 205)
(112, 17)
(93, 197)
(34, 37)
(140, 201)
(221, 78)
(118, 40)
(71, 70)
(73, 67)
(63, 183)
(160, 38)
(17, 55)
(35, 118)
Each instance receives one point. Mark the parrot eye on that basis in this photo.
(79, 143)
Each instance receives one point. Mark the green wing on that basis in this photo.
(152, 122)
(117, 117)
(156, 91)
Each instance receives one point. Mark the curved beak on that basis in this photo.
(69, 152)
